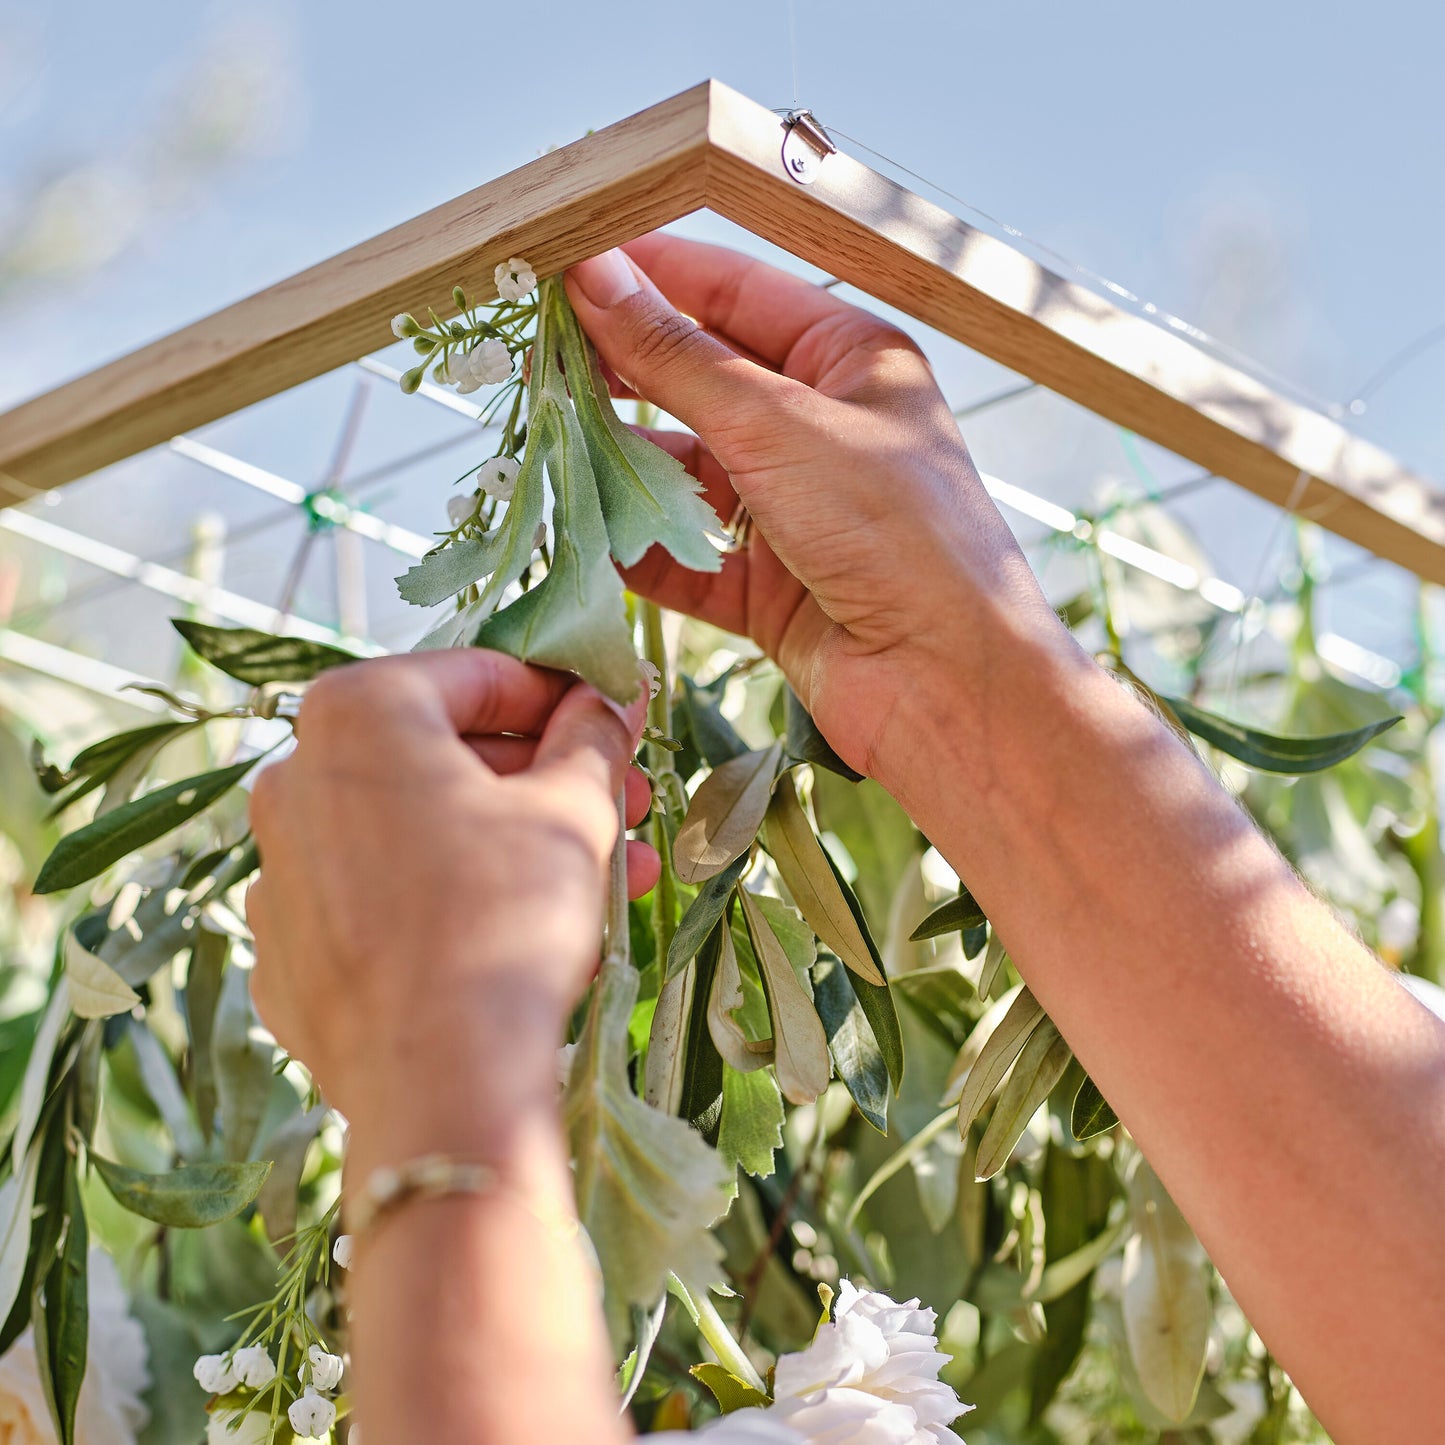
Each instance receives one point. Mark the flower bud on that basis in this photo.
(254, 1367)
(423, 346)
(326, 1369)
(514, 279)
(312, 1416)
(342, 1251)
(403, 326)
(410, 380)
(460, 298)
(214, 1374)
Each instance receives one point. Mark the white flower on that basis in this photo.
(253, 1366)
(499, 477)
(875, 1348)
(742, 1427)
(459, 371)
(1398, 926)
(515, 279)
(403, 326)
(231, 1427)
(326, 1369)
(489, 362)
(461, 509)
(109, 1411)
(342, 1250)
(312, 1416)
(214, 1374)
(651, 675)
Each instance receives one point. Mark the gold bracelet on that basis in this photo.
(433, 1176)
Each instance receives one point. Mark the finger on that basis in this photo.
(457, 690)
(505, 756)
(644, 868)
(594, 736)
(754, 305)
(637, 796)
(664, 355)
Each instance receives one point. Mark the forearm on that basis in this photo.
(1291, 1095)
(475, 1317)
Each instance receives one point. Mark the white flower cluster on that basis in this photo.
(488, 363)
(870, 1377)
(515, 279)
(312, 1415)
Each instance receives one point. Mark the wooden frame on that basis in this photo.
(712, 148)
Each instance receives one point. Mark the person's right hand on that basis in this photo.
(878, 567)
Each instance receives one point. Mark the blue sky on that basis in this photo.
(1270, 171)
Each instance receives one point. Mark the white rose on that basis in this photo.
(109, 1411)
(742, 1427)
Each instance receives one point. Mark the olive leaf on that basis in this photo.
(713, 737)
(702, 915)
(285, 1150)
(956, 914)
(257, 658)
(34, 1081)
(648, 497)
(725, 814)
(807, 744)
(725, 997)
(191, 1197)
(994, 958)
(1166, 1298)
(856, 1056)
(800, 1046)
(158, 1074)
(17, 1210)
(663, 1073)
(1268, 752)
(244, 1055)
(1009, 1024)
(647, 1186)
(204, 973)
(104, 760)
(1091, 1113)
(1039, 1066)
(804, 866)
(61, 1316)
(90, 850)
(96, 990)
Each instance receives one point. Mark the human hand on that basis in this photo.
(878, 564)
(433, 857)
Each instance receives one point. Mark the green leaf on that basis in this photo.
(244, 1058)
(204, 972)
(1091, 1113)
(807, 744)
(98, 764)
(1039, 1066)
(957, 914)
(856, 1055)
(1166, 1298)
(751, 1131)
(259, 657)
(813, 881)
(702, 1075)
(994, 1045)
(647, 1186)
(62, 1328)
(725, 814)
(702, 916)
(96, 990)
(1268, 752)
(191, 1197)
(158, 1074)
(17, 1209)
(730, 1392)
(16, 1037)
(90, 850)
(648, 497)
(286, 1148)
(456, 567)
(713, 737)
(800, 1047)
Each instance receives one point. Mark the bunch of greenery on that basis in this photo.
(807, 1054)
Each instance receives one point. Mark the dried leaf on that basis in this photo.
(725, 814)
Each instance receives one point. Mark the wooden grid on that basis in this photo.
(710, 147)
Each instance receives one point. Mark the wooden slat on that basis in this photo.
(597, 192)
(902, 249)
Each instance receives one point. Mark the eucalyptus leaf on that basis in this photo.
(702, 915)
(91, 849)
(96, 990)
(1166, 1299)
(812, 880)
(1008, 1032)
(953, 916)
(800, 1047)
(725, 814)
(1091, 1113)
(855, 1052)
(648, 497)
(647, 1186)
(194, 1196)
(244, 1055)
(1039, 1066)
(256, 657)
(1269, 752)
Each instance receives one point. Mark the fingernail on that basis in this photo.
(606, 279)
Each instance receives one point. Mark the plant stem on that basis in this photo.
(618, 944)
(711, 1327)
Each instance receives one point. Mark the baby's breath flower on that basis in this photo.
(214, 1374)
(651, 675)
(459, 371)
(326, 1369)
(515, 279)
(403, 326)
(312, 1416)
(254, 1367)
(489, 362)
(461, 509)
(341, 1251)
(499, 477)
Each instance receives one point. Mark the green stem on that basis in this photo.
(711, 1327)
(664, 896)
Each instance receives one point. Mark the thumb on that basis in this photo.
(662, 354)
(589, 733)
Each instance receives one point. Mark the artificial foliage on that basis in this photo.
(807, 1057)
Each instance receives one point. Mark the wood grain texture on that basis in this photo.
(902, 249)
(597, 192)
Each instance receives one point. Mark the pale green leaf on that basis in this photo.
(457, 566)
(725, 998)
(751, 1131)
(158, 1074)
(244, 1054)
(1005, 1029)
(1039, 1066)
(96, 990)
(800, 1047)
(725, 814)
(194, 1196)
(730, 1392)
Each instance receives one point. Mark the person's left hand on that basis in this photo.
(433, 861)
